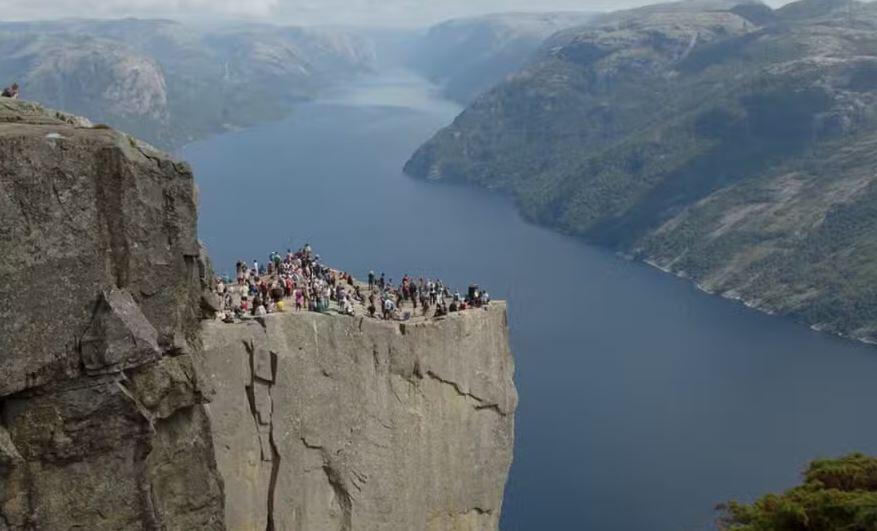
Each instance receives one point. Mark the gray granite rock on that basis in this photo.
(119, 336)
(100, 282)
(371, 425)
(85, 211)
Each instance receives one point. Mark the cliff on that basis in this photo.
(123, 406)
(102, 423)
(327, 422)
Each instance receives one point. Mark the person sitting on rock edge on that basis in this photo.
(11, 92)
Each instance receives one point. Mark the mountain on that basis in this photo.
(726, 142)
(469, 56)
(171, 83)
(126, 403)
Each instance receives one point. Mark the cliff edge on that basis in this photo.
(331, 422)
(124, 406)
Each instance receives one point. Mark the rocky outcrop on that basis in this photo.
(102, 423)
(329, 422)
(108, 365)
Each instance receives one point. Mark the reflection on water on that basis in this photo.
(643, 402)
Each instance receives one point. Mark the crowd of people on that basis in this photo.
(298, 281)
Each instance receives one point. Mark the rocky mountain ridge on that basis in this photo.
(726, 142)
(171, 83)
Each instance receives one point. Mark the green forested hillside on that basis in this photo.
(727, 142)
(837, 494)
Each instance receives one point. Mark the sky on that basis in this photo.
(410, 13)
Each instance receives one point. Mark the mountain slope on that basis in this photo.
(171, 83)
(469, 56)
(725, 142)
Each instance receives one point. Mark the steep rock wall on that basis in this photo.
(330, 422)
(101, 419)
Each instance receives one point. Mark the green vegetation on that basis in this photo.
(836, 495)
(731, 143)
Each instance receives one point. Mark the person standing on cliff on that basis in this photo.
(278, 292)
(413, 294)
(389, 308)
(430, 292)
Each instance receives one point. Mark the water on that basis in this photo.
(644, 402)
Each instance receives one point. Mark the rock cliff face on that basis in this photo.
(107, 367)
(327, 422)
(100, 289)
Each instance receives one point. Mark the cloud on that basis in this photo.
(44, 9)
(422, 12)
(311, 12)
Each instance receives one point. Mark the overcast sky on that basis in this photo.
(320, 12)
